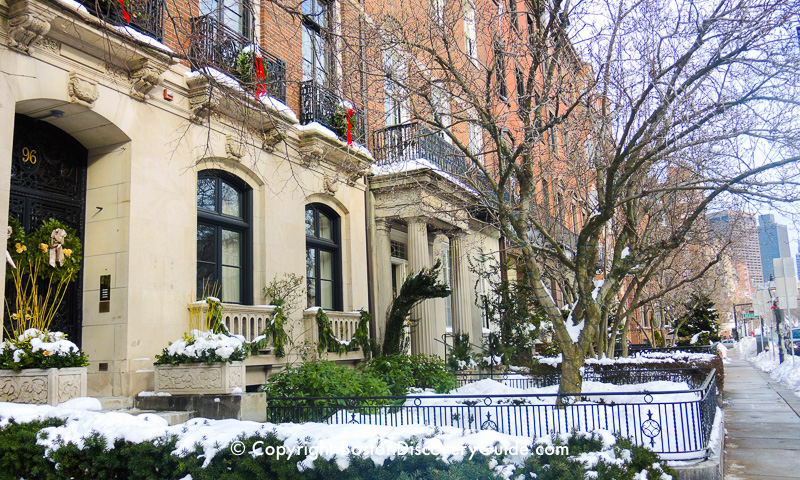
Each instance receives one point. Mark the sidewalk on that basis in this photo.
(762, 419)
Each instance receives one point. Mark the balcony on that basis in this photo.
(322, 105)
(245, 320)
(147, 16)
(413, 141)
(214, 45)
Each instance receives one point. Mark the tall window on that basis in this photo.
(317, 52)
(323, 270)
(395, 102)
(223, 236)
(470, 35)
(446, 277)
(236, 15)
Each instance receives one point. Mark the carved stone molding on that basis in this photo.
(312, 154)
(51, 386)
(272, 137)
(145, 75)
(82, 90)
(45, 43)
(212, 378)
(234, 147)
(27, 23)
(329, 185)
(201, 104)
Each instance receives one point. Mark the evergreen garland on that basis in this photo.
(274, 331)
(416, 288)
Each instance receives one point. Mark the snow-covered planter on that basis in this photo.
(41, 367)
(202, 362)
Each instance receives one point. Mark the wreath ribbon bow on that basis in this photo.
(349, 135)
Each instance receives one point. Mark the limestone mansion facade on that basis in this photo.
(176, 175)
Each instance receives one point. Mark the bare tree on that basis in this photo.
(595, 120)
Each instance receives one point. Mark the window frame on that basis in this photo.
(219, 221)
(333, 246)
(312, 30)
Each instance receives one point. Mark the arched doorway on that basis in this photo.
(48, 180)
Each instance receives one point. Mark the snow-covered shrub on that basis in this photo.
(199, 346)
(37, 349)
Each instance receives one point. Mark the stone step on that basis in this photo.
(173, 417)
(116, 403)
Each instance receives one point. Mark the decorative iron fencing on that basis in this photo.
(413, 141)
(675, 424)
(324, 106)
(215, 45)
(147, 16)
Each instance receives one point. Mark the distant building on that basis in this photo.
(774, 241)
(745, 251)
(797, 260)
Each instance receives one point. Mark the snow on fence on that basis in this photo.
(674, 423)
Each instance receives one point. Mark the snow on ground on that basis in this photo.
(332, 442)
(638, 358)
(788, 372)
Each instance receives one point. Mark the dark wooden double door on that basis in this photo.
(48, 180)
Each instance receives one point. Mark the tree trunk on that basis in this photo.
(571, 378)
(625, 329)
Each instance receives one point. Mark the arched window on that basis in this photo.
(323, 259)
(224, 206)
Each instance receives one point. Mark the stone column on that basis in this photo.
(383, 276)
(462, 288)
(436, 306)
(418, 258)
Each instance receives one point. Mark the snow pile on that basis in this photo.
(788, 372)
(315, 440)
(638, 358)
(137, 35)
(280, 107)
(319, 129)
(747, 347)
(418, 164)
(198, 341)
(594, 392)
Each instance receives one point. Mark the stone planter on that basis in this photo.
(34, 385)
(214, 378)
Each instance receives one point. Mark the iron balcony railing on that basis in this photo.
(324, 106)
(675, 424)
(215, 45)
(410, 142)
(147, 16)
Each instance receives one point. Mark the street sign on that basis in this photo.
(750, 315)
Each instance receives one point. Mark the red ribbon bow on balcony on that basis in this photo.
(349, 135)
(261, 90)
(124, 12)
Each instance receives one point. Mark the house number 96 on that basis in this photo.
(28, 155)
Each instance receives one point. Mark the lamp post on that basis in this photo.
(736, 322)
(776, 311)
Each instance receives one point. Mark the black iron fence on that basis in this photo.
(675, 423)
(413, 141)
(212, 44)
(147, 16)
(324, 106)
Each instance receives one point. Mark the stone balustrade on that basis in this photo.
(245, 320)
